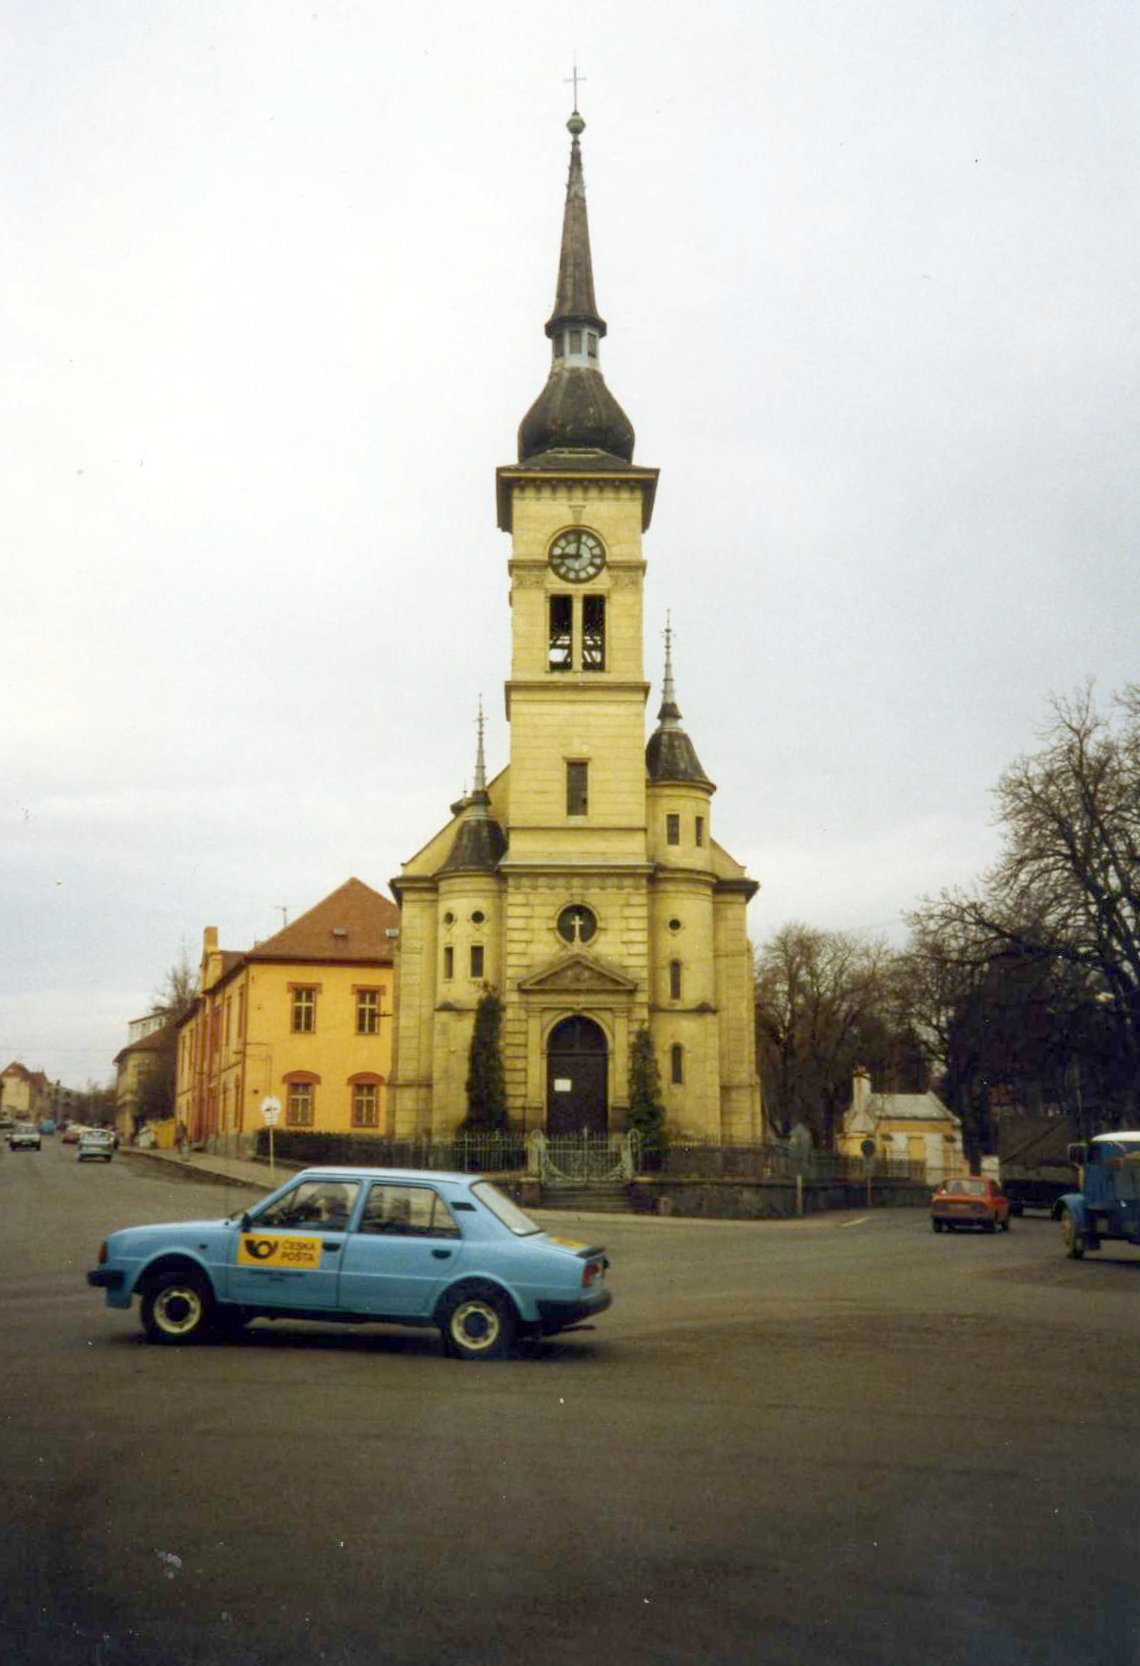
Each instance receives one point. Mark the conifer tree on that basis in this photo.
(646, 1114)
(486, 1083)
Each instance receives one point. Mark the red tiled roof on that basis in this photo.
(351, 924)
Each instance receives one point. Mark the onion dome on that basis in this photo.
(670, 755)
(479, 840)
(575, 410)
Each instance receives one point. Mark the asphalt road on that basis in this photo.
(840, 1440)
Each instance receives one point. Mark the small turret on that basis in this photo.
(479, 840)
(670, 755)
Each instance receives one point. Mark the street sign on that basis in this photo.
(270, 1111)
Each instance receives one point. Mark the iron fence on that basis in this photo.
(583, 1156)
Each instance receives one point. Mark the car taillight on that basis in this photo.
(103, 1252)
(591, 1271)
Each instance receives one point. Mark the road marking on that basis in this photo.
(862, 1221)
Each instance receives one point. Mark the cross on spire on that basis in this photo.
(575, 78)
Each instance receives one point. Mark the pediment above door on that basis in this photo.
(575, 974)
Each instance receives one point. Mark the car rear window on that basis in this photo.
(504, 1209)
(967, 1188)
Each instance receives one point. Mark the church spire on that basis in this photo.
(574, 301)
(575, 411)
(479, 840)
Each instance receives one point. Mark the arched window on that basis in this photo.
(674, 980)
(676, 1063)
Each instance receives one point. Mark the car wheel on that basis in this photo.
(478, 1323)
(1005, 1224)
(936, 1226)
(177, 1307)
(989, 1226)
(1073, 1236)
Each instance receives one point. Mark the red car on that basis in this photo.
(969, 1202)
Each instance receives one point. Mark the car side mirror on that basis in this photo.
(246, 1223)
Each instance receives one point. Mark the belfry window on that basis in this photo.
(575, 341)
(577, 789)
(559, 345)
(591, 344)
(560, 652)
(593, 633)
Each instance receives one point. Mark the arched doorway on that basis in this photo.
(576, 1061)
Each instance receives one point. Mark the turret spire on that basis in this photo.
(670, 755)
(669, 717)
(480, 765)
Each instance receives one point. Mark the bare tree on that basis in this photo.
(825, 1003)
(1058, 915)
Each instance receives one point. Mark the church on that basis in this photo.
(582, 883)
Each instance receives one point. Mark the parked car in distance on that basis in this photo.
(71, 1133)
(24, 1136)
(973, 1201)
(96, 1142)
(47, 1126)
(361, 1245)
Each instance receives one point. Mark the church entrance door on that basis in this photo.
(576, 1060)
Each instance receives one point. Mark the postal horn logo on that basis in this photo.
(261, 1248)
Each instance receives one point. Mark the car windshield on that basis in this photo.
(504, 1209)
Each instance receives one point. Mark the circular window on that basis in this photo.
(478, 917)
(674, 924)
(449, 918)
(577, 924)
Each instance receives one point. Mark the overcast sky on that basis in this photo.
(274, 282)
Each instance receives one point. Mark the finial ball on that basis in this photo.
(575, 125)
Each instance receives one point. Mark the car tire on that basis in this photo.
(936, 1226)
(989, 1226)
(478, 1322)
(177, 1308)
(1005, 1224)
(1073, 1236)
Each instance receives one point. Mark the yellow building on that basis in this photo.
(909, 1127)
(25, 1095)
(583, 883)
(305, 1018)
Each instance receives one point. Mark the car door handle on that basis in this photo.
(441, 1255)
(331, 1244)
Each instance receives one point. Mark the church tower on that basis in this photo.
(583, 883)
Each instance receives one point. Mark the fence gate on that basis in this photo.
(582, 1159)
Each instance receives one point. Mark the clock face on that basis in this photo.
(577, 555)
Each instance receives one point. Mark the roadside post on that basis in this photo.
(868, 1150)
(270, 1115)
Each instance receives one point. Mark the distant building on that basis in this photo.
(910, 1127)
(26, 1094)
(147, 1059)
(305, 1018)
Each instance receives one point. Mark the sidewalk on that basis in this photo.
(217, 1170)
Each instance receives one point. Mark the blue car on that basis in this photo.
(361, 1245)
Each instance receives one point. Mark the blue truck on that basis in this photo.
(1107, 1205)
